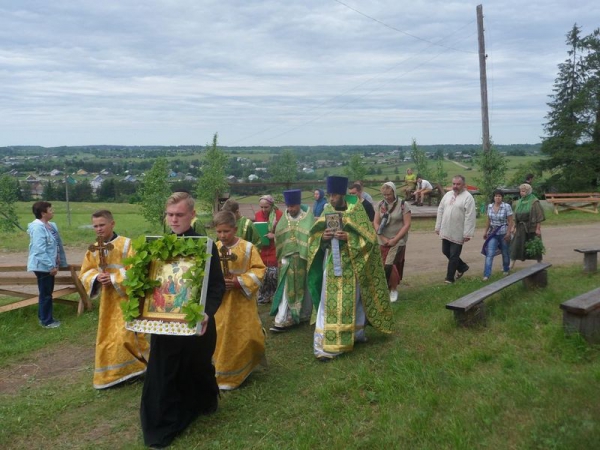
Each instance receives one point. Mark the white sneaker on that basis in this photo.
(393, 295)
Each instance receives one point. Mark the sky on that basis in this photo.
(278, 72)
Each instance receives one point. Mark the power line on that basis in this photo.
(398, 30)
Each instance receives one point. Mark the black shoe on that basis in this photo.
(276, 329)
(460, 274)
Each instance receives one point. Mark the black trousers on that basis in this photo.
(452, 251)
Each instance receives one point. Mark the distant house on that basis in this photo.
(130, 179)
(105, 172)
(55, 173)
(308, 170)
(172, 174)
(253, 177)
(97, 182)
(189, 177)
(81, 172)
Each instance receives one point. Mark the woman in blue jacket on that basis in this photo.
(46, 255)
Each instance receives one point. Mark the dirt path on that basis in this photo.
(424, 250)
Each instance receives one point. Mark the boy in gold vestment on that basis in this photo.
(120, 354)
(240, 336)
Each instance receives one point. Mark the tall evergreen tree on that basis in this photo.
(154, 192)
(9, 187)
(572, 129)
(356, 170)
(421, 165)
(284, 168)
(212, 183)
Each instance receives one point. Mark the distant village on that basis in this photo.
(34, 182)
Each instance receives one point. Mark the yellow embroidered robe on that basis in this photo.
(240, 335)
(118, 351)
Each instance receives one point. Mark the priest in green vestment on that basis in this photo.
(292, 303)
(346, 278)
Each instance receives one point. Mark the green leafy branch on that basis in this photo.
(534, 248)
(138, 282)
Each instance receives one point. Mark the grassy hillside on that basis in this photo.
(519, 383)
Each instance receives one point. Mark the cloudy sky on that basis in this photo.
(278, 72)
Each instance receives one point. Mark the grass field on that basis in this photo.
(518, 383)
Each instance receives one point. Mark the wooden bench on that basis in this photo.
(470, 309)
(437, 193)
(582, 315)
(580, 201)
(590, 259)
(11, 276)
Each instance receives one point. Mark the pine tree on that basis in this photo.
(573, 134)
(155, 191)
(212, 184)
(9, 187)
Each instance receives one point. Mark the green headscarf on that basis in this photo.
(525, 202)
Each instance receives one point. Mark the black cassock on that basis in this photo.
(180, 381)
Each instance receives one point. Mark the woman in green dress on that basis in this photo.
(528, 217)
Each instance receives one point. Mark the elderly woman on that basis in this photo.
(392, 222)
(497, 237)
(320, 202)
(270, 214)
(528, 218)
(46, 255)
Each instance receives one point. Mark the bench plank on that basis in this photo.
(590, 259)
(583, 304)
(34, 300)
(582, 315)
(470, 300)
(9, 278)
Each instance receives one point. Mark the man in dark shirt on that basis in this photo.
(356, 189)
(180, 381)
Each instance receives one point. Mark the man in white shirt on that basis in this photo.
(424, 187)
(455, 225)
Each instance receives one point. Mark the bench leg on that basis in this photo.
(537, 280)
(588, 325)
(471, 318)
(590, 262)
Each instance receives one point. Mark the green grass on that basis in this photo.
(517, 383)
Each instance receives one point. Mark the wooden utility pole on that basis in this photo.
(483, 81)
(67, 197)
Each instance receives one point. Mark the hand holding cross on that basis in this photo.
(101, 247)
(225, 258)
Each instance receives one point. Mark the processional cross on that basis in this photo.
(101, 247)
(225, 258)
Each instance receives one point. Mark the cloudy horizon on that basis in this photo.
(275, 73)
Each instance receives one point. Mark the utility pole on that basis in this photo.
(485, 121)
(67, 197)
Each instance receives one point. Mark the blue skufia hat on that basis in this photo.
(337, 185)
(292, 197)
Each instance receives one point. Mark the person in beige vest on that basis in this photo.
(392, 222)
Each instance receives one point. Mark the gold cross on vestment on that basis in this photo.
(225, 257)
(102, 247)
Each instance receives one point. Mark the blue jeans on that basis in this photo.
(496, 242)
(45, 283)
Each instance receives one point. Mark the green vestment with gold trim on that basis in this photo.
(291, 243)
(361, 264)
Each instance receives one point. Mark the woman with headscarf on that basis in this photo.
(528, 218)
(392, 222)
(270, 214)
(320, 202)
